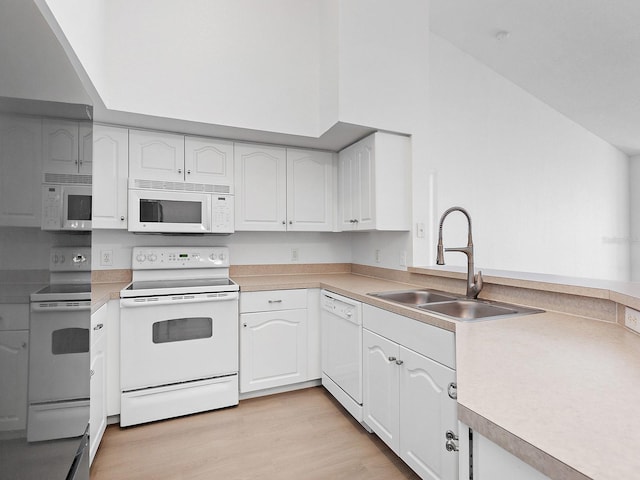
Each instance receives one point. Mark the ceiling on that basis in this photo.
(581, 57)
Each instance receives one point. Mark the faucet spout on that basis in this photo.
(474, 282)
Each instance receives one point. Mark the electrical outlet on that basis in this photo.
(632, 319)
(377, 255)
(106, 258)
(420, 230)
(295, 255)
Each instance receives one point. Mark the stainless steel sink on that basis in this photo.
(464, 309)
(413, 297)
(468, 309)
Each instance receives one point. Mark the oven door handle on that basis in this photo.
(182, 298)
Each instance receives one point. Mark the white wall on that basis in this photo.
(245, 248)
(634, 217)
(545, 195)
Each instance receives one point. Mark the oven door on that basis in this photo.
(76, 207)
(59, 351)
(169, 212)
(177, 338)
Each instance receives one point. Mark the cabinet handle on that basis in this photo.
(283, 222)
(392, 359)
(92, 372)
(179, 170)
(188, 172)
(451, 446)
(399, 362)
(24, 345)
(244, 325)
(449, 435)
(98, 326)
(122, 218)
(290, 222)
(275, 301)
(452, 390)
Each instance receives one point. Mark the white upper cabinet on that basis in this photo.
(110, 164)
(261, 187)
(209, 161)
(20, 171)
(310, 190)
(156, 156)
(374, 184)
(176, 158)
(67, 147)
(282, 189)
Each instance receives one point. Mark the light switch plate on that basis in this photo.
(632, 319)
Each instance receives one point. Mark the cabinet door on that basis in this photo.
(380, 400)
(426, 413)
(20, 171)
(110, 167)
(156, 156)
(261, 187)
(310, 180)
(97, 390)
(365, 201)
(85, 152)
(273, 349)
(209, 161)
(60, 143)
(347, 189)
(14, 356)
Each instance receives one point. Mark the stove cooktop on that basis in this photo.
(63, 291)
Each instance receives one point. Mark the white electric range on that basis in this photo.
(179, 334)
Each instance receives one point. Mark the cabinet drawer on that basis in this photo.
(14, 316)
(273, 300)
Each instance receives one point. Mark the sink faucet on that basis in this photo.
(474, 282)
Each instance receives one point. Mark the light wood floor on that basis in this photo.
(297, 435)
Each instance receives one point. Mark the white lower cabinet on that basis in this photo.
(97, 393)
(405, 393)
(14, 363)
(273, 339)
(490, 461)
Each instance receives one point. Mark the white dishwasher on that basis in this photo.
(341, 320)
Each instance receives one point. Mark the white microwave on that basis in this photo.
(165, 211)
(66, 207)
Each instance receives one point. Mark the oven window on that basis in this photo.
(70, 340)
(181, 329)
(79, 207)
(170, 211)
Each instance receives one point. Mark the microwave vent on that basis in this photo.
(180, 186)
(67, 178)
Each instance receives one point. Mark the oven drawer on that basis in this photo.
(273, 300)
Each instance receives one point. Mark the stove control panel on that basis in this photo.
(149, 258)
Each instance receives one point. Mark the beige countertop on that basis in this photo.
(560, 391)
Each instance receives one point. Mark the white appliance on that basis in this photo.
(341, 323)
(59, 348)
(174, 207)
(66, 207)
(179, 334)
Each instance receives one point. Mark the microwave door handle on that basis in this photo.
(160, 213)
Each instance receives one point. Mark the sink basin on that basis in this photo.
(468, 309)
(413, 297)
(457, 308)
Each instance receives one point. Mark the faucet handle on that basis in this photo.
(477, 281)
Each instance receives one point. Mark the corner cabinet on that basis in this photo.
(20, 171)
(408, 370)
(110, 169)
(284, 189)
(374, 184)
